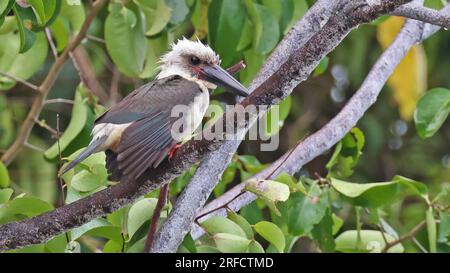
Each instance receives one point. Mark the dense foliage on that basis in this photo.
(336, 204)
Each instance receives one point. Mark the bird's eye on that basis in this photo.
(194, 60)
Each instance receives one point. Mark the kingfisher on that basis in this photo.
(136, 133)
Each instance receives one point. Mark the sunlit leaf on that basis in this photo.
(230, 243)
(218, 224)
(21, 208)
(431, 112)
(5, 194)
(371, 241)
(271, 233)
(242, 222)
(82, 120)
(139, 213)
(126, 44)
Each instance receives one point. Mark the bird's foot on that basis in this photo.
(173, 150)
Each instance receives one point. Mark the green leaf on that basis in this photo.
(276, 116)
(5, 194)
(218, 224)
(431, 229)
(322, 66)
(157, 14)
(283, 10)
(27, 37)
(126, 44)
(371, 241)
(82, 120)
(75, 14)
(230, 243)
(179, 9)
(251, 163)
(5, 8)
(57, 244)
(26, 64)
(112, 247)
(431, 111)
(269, 189)
(79, 231)
(444, 226)
(21, 208)
(306, 211)
(242, 222)
(255, 247)
(46, 12)
(346, 154)
(290, 181)
(8, 25)
(157, 45)
(106, 231)
(267, 32)
(4, 176)
(139, 213)
(378, 193)
(322, 233)
(60, 32)
(272, 233)
(86, 181)
(226, 21)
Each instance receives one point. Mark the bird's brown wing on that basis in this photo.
(148, 139)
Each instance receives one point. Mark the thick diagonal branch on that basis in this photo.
(305, 48)
(316, 144)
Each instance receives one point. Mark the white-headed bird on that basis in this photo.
(136, 133)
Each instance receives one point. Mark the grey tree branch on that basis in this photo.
(412, 33)
(300, 53)
(297, 67)
(424, 14)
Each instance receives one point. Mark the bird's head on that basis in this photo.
(194, 60)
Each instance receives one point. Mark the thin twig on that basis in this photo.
(96, 39)
(405, 237)
(162, 199)
(24, 82)
(61, 185)
(48, 34)
(47, 127)
(52, 101)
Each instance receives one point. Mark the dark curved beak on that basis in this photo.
(220, 77)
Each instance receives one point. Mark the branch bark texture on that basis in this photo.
(413, 32)
(295, 68)
(324, 27)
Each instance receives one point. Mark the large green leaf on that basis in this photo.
(370, 241)
(272, 233)
(26, 64)
(27, 37)
(139, 213)
(180, 11)
(93, 224)
(45, 12)
(125, 40)
(226, 20)
(5, 194)
(157, 45)
(82, 120)
(267, 32)
(242, 222)
(89, 180)
(431, 112)
(230, 243)
(21, 208)
(306, 211)
(75, 14)
(218, 224)
(322, 233)
(157, 14)
(379, 193)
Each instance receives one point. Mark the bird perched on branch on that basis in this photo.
(137, 132)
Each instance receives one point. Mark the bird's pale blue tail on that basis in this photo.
(92, 148)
